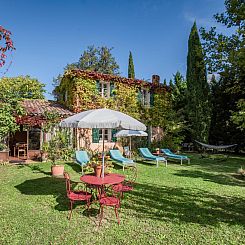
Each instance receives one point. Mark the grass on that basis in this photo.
(200, 203)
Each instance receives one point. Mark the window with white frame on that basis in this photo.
(104, 89)
(107, 134)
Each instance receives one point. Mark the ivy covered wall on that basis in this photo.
(80, 90)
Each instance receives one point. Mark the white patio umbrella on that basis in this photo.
(129, 133)
(103, 119)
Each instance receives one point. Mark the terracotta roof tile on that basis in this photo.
(37, 107)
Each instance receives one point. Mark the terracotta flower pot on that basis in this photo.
(98, 170)
(4, 156)
(57, 170)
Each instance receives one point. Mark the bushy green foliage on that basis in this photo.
(22, 87)
(238, 117)
(13, 90)
(59, 147)
(98, 59)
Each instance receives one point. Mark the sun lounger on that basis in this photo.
(117, 157)
(147, 155)
(170, 154)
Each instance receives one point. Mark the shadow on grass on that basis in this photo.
(37, 169)
(147, 163)
(155, 202)
(185, 205)
(48, 186)
(75, 166)
(213, 165)
(215, 178)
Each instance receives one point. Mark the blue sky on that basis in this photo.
(49, 34)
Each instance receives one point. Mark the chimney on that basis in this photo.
(155, 80)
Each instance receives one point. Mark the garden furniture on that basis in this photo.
(103, 119)
(119, 158)
(82, 158)
(76, 195)
(170, 154)
(129, 133)
(126, 151)
(100, 183)
(129, 182)
(147, 155)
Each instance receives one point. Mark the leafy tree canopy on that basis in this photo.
(98, 59)
(21, 88)
(12, 91)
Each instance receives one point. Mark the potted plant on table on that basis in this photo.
(96, 163)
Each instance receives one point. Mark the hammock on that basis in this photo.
(216, 147)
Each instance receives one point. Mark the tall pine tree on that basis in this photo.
(131, 66)
(198, 92)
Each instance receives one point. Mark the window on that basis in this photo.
(34, 138)
(106, 135)
(145, 97)
(109, 135)
(104, 89)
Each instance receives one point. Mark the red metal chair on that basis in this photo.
(111, 201)
(128, 184)
(75, 195)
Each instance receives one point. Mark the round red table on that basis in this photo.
(109, 179)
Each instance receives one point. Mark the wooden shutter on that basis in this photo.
(98, 86)
(113, 132)
(151, 99)
(95, 135)
(139, 96)
(112, 87)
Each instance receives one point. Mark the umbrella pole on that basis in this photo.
(130, 147)
(103, 155)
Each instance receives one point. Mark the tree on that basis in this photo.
(21, 88)
(131, 66)
(5, 37)
(13, 90)
(179, 91)
(198, 93)
(98, 59)
(225, 55)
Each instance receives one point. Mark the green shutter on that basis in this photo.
(98, 86)
(95, 135)
(113, 132)
(112, 87)
(151, 99)
(139, 96)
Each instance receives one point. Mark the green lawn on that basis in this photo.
(203, 203)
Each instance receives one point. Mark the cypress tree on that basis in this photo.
(198, 92)
(131, 66)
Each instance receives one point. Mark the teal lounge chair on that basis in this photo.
(82, 158)
(170, 154)
(119, 158)
(147, 155)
